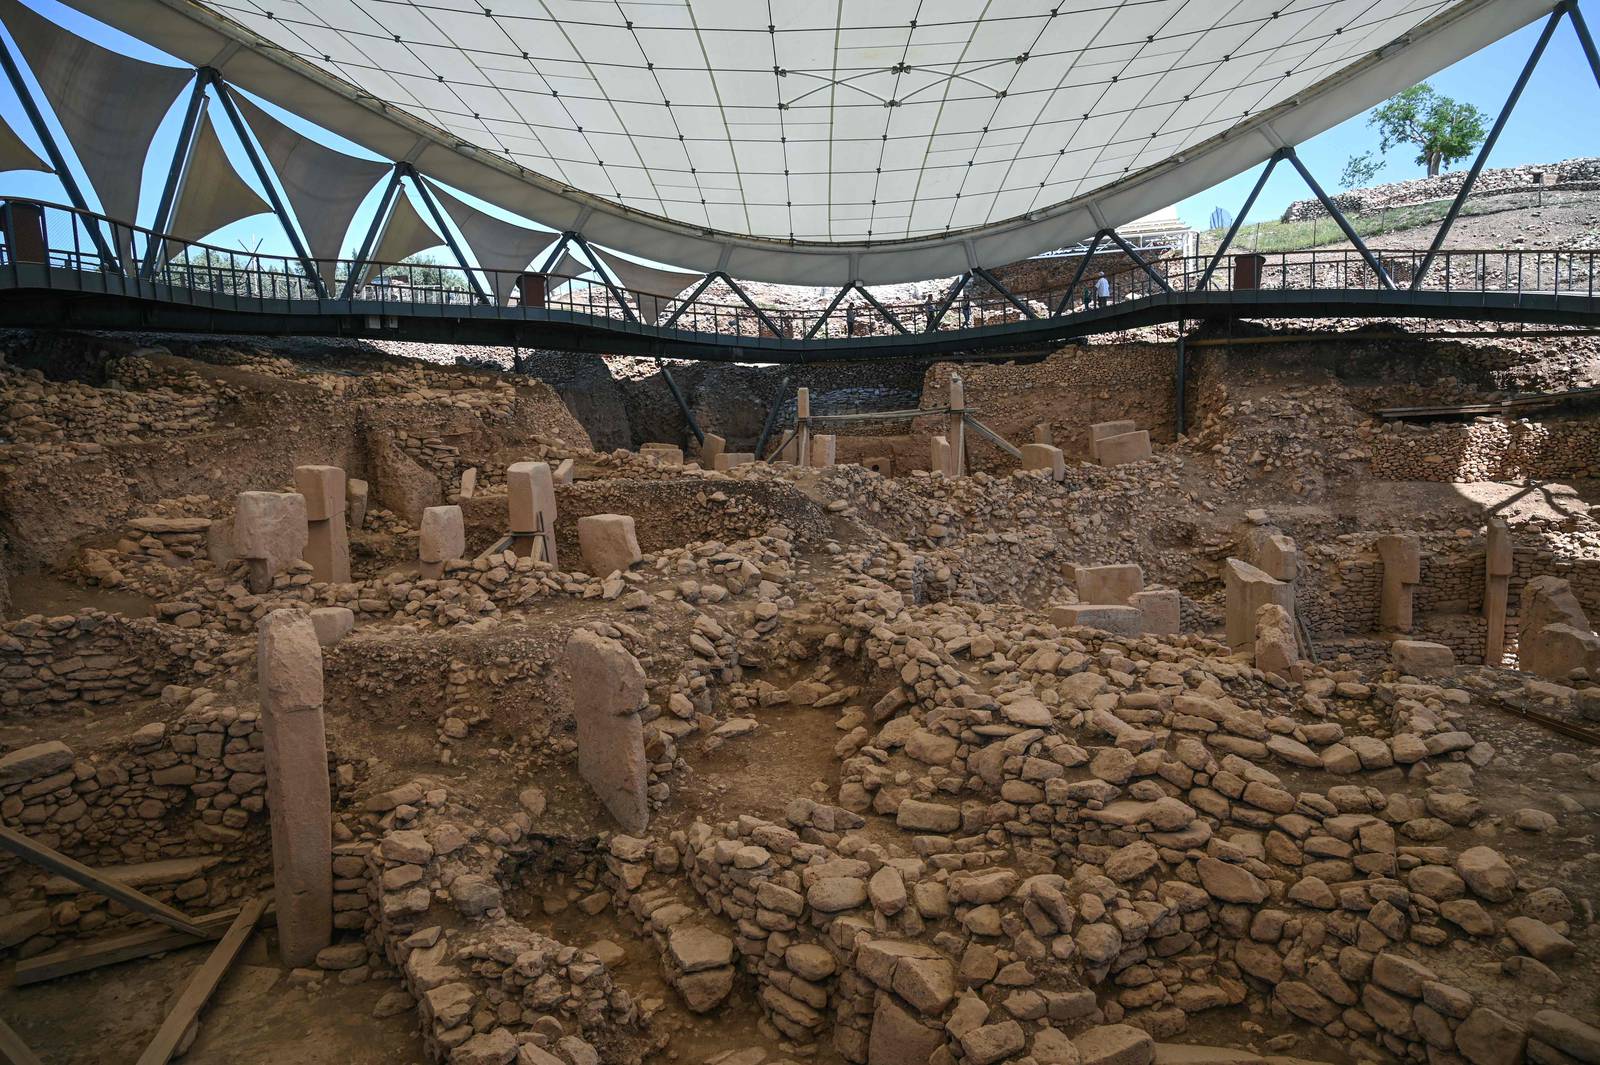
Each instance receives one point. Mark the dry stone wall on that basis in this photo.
(1488, 450)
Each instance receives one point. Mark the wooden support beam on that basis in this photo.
(56, 862)
(81, 957)
(201, 985)
(13, 1051)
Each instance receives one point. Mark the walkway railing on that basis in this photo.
(182, 271)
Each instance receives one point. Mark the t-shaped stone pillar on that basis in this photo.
(607, 693)
(939, 456)
(802, 427)
(1402, 569)
(532, 492)
(955, 430)
(289, 672)
(443, 536)
(1248, 590)
(269, 531)
(1498, 562)
(824, 449)
(327, 542)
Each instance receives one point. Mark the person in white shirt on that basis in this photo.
(1102, 291)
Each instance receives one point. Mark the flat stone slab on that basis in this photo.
(140, 874)
(157, 525)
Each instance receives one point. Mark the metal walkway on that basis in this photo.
(52, 275)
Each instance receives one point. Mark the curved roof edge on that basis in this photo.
(196, 35)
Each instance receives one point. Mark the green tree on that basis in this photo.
(1359, 170)
(1441, 129)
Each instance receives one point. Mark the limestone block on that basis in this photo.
(824, 449)
(1129, 447)
(608, 543)
(1277, 650)
(1248, 590)
(270, 529)
(729, 459)
(1402, 569)
(1108, 584)
(608, 689)
(324, 491)
(1421, 658)
(563, 472)
(939, 456)
(443, 535)
(469, 483)
(1045, 457)
(1041, 434)
(289, 664)
(1161, 610)
(1556, 651)
(662, 454)
(401, 485)
(356, 491)
(531, 494)
(710, 448)
(333, 623)
(1498, 548)
(1278, 557)
(1100, 430)
(1496, 590)
(1122, 620)
(219, 542)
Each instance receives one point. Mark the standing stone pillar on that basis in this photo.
(710, 448)
(1402, 570)
(939, 456)
(443, 536)
(289, 669)
(357, 490)
(1248, 590)
(824, 449)
(269, 532)
(1045, 457)
(607, 693)
(1041, 434)
(327, 541)
(1496, 590)
(802, 427)
(955, 430)
(532, 493)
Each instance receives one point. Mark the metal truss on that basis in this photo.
(407, 170)
(175, 173)
(352, 280)
(994, 283)
(872, 301)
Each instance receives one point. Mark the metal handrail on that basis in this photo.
(185, 269)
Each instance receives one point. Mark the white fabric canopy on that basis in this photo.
(15, 153)
(404, 235)
(503, 249)
(108, 104)
(213, 194)
(324, 186)
(882, 142)
(652, 288)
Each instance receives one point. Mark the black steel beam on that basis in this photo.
(760, 314)
(1338, 216)
(838, 298)
(1581, 28)
(683, 404)
(994, 283)
(1132, 253)
(677, 312)
(1077, 275)
(880, 308)
(594, 261)
(379, 219)
(1488, 144)
(180, 163)
(773, 410)
(242, 131)
(444, 230)
(949, 300)
(74, 192)
(1238, 220)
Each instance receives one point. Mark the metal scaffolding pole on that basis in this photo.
(225, 98)
(1238, 220)
(74, 193)
(1183, 374)
(1488, 143)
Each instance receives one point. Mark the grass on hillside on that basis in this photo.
(1276, 236)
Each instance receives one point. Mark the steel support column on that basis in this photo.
(762, 315)
(177, 171)
(833, 305)
(683, 404)
(594, 261)
(948, 301)
(108, 256)
(444, 230)
(880, 308)
(370, 241)
(1338, 216)
(1077, 275)
(1238, 221)
(1581, 28)
(773, 410)
(554, 255)
(1489, 142)
(994, 283)
(1132, 253)
(242, 131)
(677, 312)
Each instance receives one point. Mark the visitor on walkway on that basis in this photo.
(1102, 290)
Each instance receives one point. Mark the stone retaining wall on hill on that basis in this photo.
(1567, 174)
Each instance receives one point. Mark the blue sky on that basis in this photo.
(1558, 117)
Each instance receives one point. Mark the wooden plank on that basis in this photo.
(56, 862)
(201, 985)
(13, 1051)
(81, 957)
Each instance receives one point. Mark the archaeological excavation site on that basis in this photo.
(519, 546)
